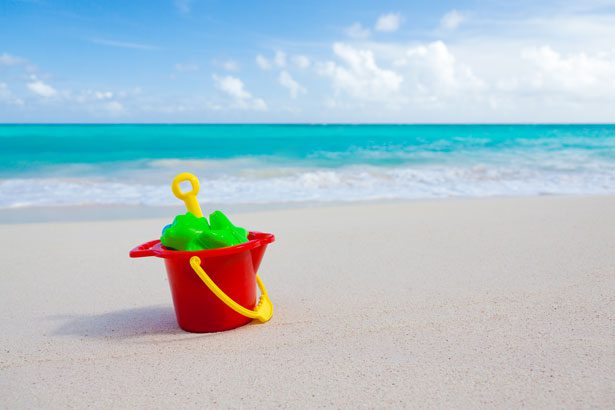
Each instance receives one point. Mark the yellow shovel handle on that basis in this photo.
(189, 198)
(264, 308)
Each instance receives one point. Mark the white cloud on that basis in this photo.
(230, 65)
(579, 74)
(287, 81)
(357, 31)
(388, 22)
(359, 76)
(452, 20)
(433, 72)
(11, 61)
(263, 63)
(301, 61)
(91, 97)
(7, 59)
(103, 95)
(40, 88)
(6, 96)
(186, 67)
(280, 59)
(234, 88)
(425, 75)
(114, 107)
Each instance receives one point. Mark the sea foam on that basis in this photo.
(352, 183)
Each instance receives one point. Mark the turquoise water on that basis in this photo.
(44, 165)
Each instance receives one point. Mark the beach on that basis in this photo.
(457, 303)
(388, 205)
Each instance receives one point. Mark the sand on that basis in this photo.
(452, 303)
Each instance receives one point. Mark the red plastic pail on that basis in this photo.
(233, 269)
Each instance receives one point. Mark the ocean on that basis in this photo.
(67, 165)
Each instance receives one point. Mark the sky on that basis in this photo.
(177, 61)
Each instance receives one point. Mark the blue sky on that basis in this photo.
(316, 61)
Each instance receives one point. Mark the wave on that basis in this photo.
(262, 184)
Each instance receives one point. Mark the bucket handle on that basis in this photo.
(264, 308)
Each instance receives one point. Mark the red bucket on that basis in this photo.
(232, 269)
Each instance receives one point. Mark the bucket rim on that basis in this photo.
(155, 248)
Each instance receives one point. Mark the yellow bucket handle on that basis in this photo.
(264, 308)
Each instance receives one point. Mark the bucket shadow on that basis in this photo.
(121, 324)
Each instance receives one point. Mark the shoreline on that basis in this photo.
(92, 213)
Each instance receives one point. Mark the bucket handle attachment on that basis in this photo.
(264, 308)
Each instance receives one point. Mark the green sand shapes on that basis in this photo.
(189, 233)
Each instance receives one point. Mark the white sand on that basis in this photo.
(469, 303)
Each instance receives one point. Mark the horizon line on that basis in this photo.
(306, 123)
